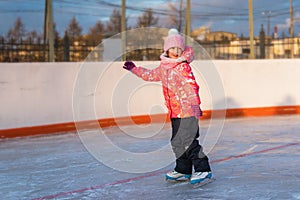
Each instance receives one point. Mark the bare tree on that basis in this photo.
(95, 33)
(33, 36)
(17, 32)
(74, 29)
(113, 26)
(56, 35)
(176, 18)
(147, 19)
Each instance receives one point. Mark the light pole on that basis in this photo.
(268, 14)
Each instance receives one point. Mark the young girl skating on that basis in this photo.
(181, 93)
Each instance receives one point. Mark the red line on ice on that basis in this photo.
(161, 172)
(255, 152)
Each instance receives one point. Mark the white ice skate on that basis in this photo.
(201, 178)
(176, 176)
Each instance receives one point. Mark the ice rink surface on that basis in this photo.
(254, 158)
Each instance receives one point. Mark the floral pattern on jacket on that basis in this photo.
(180, 88)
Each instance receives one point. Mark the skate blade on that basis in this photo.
(205, 182)
(177, 181)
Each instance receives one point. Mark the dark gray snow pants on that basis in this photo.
(186, 147)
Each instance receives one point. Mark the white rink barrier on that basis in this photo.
(37, 96)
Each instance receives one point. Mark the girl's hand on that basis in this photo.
(129, 65)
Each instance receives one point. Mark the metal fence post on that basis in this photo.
(262, 45)
(66, 47)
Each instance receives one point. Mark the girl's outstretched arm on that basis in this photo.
(145, 74)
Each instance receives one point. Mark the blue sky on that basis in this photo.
(219, 15)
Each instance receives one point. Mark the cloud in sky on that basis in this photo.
(219, 15)
(286, 25)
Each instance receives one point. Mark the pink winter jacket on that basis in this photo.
(179, 85)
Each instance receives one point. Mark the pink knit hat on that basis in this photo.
(174, 40)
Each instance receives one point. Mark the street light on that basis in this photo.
(268, 14)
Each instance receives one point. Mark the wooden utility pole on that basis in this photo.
(123, 30)
(187, 19)
(251, 32)
(48, 29)
(291, 19)
(292, 28)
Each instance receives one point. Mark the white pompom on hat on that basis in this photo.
(172, 31)
(174, 39)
